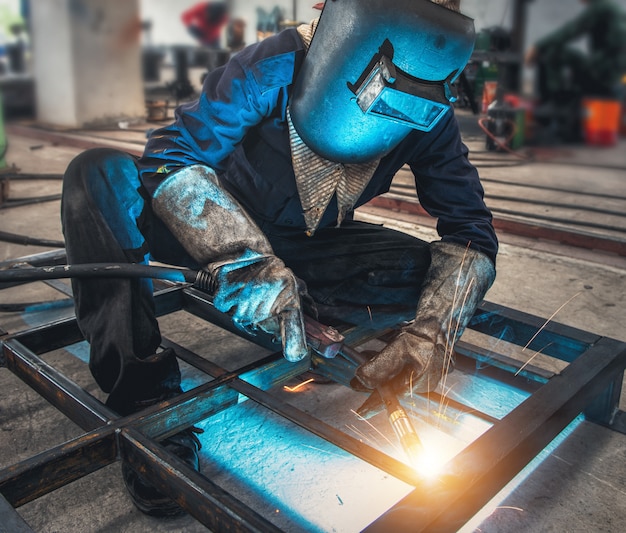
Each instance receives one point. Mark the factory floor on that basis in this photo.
(577, 486)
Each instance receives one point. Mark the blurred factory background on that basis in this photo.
(77, 63)
(76, 74)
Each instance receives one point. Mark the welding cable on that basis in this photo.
(201, 279)
(20, 202)
(25, 240)
(503, 145)
(12, 175)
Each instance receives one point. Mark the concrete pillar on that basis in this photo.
(87, 61)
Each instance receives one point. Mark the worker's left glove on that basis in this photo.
(421, 355)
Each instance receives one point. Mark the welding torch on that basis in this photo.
(328, 343)
(324, 340)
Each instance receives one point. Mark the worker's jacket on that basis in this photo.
(238, 127)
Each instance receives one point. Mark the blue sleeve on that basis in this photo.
(449, 189)
(247, 90)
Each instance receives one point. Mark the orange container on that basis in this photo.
(489, 94)
(601, 121)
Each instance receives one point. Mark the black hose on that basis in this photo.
(25, 240)
(20, 202)
(105, 270)
(20, 176)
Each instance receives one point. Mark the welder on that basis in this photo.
(257, 182)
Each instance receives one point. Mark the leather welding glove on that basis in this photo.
(421, 355)
(251, 283)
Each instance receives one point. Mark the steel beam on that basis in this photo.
(477, 474)
(592, 378)
(205, 501)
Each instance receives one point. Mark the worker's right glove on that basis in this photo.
(250, 282)
(421, 355)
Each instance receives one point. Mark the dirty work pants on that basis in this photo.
(356, 273)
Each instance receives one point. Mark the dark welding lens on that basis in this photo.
(413, 111)
(389, 93)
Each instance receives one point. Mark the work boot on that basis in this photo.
(185, 445)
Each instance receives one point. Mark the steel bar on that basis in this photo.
(535, 333)
(200, 304)
(205, 501)
(591, 382)
(264, 373)
(550, 338)
(169, 417)
(72, 400)
(50, 336)
(30, 479)
(474, 476)
(336, 437)
(12, 522)
(53, 257)
(486, 357)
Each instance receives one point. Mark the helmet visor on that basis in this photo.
(387, 92)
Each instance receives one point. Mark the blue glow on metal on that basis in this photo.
(301, 482)
(38, 317)
(49, 306)
(473, 525)
(173, 276)
(80, 350)
(487, 394)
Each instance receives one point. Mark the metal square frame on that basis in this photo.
(591, 383)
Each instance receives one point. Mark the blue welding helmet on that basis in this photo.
(375, 70)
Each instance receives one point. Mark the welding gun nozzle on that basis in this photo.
(407, 436)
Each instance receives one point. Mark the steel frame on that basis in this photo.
(590, 383)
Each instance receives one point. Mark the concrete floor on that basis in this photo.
(575, 486)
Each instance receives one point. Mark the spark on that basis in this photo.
(529, 360)
(450, 338)
(374, 428)
(445, 402)
(323, 451)
(360, 434)
(493, 348)
(509, 507)
(443, 407)
(299, 386)
(549, 319)
(369, 312)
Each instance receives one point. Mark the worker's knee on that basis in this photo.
(99, 165)
(102, 188)
(99, 178)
